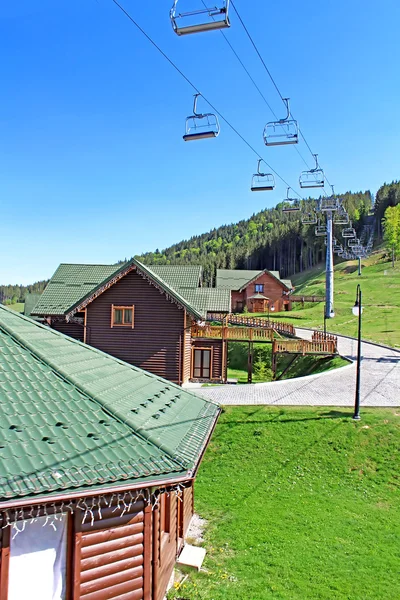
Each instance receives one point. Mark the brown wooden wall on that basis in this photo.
(109, 556)
(73, 330)
(156, 341)
(216, 345)
(187, 350)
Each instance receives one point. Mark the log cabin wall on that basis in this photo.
(110, 555)
(73, 330)
(188, 508)
(187, 349)
(155, 343)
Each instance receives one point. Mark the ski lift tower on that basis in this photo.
(328, 206)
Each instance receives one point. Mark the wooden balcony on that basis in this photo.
(304, 347)
(238, 334)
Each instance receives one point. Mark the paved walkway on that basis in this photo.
(380, 382)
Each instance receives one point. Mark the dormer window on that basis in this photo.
(259, 288)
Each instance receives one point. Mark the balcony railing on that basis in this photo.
(222, 332)
(279, 326)
(304, 347)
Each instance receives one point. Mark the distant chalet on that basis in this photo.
(97, 464)
(258, 291)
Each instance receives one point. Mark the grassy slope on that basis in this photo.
(380, 285)
(301, 503)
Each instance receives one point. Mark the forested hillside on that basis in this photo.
(270, 239)
(387, 195)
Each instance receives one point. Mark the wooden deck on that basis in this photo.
(239, 334)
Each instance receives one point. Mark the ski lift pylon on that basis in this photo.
(262, 182)
(282, 132)
(201, 126)
(202, 19)
(314, 178)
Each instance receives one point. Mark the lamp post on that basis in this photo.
(357, 311)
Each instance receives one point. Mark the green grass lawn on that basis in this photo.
(18, 307)
(301, 503)
(380, 285)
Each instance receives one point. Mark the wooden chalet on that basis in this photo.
(142, 315)
(97, 464)
(260, 291)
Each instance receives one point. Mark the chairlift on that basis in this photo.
(293, 204)
(282, 132)
(320, 229)
(341, 217)
(353, 242)
(314, 178)
(262, 182)
(328, 204)
(309, 218)
(201, 126)
(349, 232)
(202, 19)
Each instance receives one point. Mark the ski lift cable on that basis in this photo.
(256, 86)
(269, 73)
(182, 74)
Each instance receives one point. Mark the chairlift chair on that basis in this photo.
(202, 19)
(293, 204)
(201, 126)
(341, 217)
(309, 218)
(349, 232)
(353, 242)
(262, 182)
(328, 204)
(314, 178)
(282, 132)
(321, 229)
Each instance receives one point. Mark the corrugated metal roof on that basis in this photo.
(72, 416)
(209, 299)
(288, 283)
(179, 276)
(69, 284)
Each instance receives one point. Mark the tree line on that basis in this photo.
(270, 239)
(11, 294)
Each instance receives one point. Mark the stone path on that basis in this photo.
(380, 382)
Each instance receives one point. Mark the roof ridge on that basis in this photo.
(60, 373)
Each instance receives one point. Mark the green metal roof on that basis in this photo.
(30, 302)
(179, 276)
(288, 283)
(72, 416)
(71, 285)
(209, 299)
(236, 279)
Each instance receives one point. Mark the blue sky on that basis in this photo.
(93, 167)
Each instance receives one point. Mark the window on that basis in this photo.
(38, 560)
(260, 288)
(202, 363)
(122, 316)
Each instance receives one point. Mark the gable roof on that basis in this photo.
(179, 276)
(238, 279)
(72, 416)
(73, 287)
